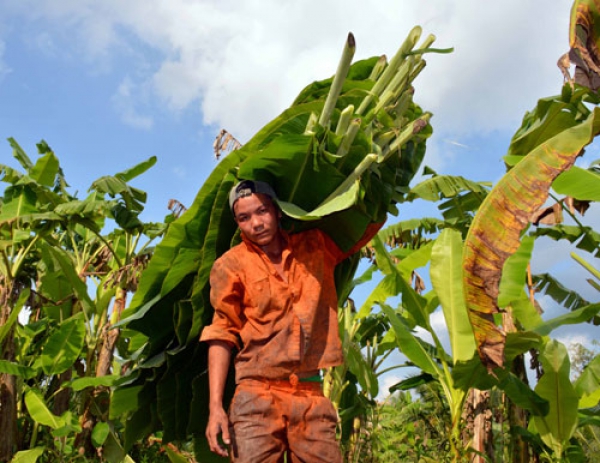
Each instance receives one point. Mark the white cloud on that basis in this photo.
(569, 339)
(179, 172)
(124, 102)
(244, 62)
(438, 322)
(384, 386)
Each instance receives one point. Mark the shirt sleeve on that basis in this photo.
(226, 296)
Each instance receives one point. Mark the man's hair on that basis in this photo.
(248, 187)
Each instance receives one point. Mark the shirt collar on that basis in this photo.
(287, 248)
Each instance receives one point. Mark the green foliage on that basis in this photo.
(414, 428)
(446, 278)
(547, 284)
(415, 310)
(557, 427)
(53, 242)
(584, 237)
(548, 142)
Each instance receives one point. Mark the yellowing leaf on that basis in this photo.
(496, 230)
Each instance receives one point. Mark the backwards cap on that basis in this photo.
(248, 187)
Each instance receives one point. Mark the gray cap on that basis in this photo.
(248, 187)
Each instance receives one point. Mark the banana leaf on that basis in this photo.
(550, 139)
(581, 184)
(557, 427)
(338, 158)
(584, 40)
(446, 277)
(584, 237)
(547, 285)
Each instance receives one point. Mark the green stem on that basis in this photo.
(380, 361)
(34, 434)
(310, 125)
(594, 285)
(404, 102)
(396, 84)
(445, 380)
(344, 120)
(349, 137)
(385, 138)
(354, 176)
(417, 70)
(425, 45)
(338, 81)
(422, 51)
(414, 127)
(392, 68)
(78, 263)
(136, 242)
(21, 257)
(378, 68)
(395, 367)
(586, 265)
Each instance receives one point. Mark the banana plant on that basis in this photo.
(366, 336)
(459, 370)
(354, 386)
(555, 426)
(339, 158)
(550, 139)
(548, 143)
(28, 195)
(415, 311)
(573, 405)
(53, 244)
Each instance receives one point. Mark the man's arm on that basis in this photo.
(219, 357)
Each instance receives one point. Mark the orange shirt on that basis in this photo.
(281, 325)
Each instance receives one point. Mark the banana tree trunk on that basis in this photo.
(478, 431)
(109, 338)
(483, 428)
(517, 417)
(8, 386)
(63, 397)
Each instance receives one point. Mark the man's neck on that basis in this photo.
(274, 249)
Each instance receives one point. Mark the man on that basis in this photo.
(275, 301)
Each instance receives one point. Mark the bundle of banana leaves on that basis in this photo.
(341, 157)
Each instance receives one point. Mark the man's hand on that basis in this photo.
(219, 356)
(218, 425)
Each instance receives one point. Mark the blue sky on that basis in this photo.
(109, 83)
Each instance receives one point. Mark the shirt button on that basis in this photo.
(294, 379)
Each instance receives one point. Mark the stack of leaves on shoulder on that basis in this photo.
(339, 158)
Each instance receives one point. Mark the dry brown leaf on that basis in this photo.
(225, 143)
(551, 215)
(575, 205)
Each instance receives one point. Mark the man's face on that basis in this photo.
(258, 218)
